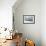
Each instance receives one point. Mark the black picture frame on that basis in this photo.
(28, 19)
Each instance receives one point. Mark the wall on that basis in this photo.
(30, 31)
(6, 13)
(43, 22)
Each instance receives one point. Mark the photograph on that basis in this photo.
(22, 22)
(29, 19)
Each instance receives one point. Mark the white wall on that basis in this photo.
(31, 31)
(43, 22)
(6, 13)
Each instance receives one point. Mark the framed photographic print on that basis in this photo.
(28, 19)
